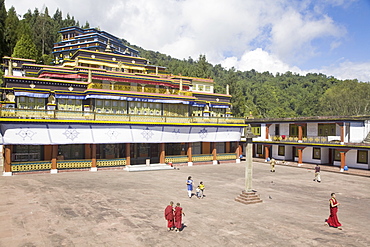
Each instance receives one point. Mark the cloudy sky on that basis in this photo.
(316, 36)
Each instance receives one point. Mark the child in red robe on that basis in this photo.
(168, 215)
(178, 217)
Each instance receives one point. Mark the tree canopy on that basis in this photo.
(261, 94)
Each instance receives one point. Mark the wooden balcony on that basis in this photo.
(307, 139)
(91, 115)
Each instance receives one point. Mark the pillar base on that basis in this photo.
(248, 197)
(93, 169)
(54, 171)
(341, 170)
(214, 162)
(341, 143)
(190, 163)
(299, 164)
(300, 141)
(7, 174)
(237, 160)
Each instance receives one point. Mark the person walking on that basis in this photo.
(169, 216)
(178, 217)
(189, 184)
(333, 219)
(272, 165)
(317, 174)
(201, 187)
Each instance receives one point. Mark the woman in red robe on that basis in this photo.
(333, 219)
(168, 215)
(178, 217)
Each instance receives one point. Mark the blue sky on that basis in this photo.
(302, 36)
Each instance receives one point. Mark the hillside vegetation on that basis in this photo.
(263, 95)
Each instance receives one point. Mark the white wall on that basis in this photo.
(357, 132)
(284, 129)
(312, 129)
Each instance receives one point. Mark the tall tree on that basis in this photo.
(3, 44)
(11, 26)
(25, 48)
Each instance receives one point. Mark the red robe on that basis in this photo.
(178, 217)
(333, 219)
(168, 215)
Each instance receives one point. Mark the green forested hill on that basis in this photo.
(260, 94)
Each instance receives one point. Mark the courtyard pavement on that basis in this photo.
(120, 208)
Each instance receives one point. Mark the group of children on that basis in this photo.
(199, 190)
(173, 215)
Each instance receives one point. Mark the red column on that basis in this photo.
(267, 152)
(214, 151)
(300, 133)
(267, 136)
(93, 156)
(128, 154)
(54, 154)
(189, 153)
(300, 151)
(8, 159)
(342, 132)
(162, 154)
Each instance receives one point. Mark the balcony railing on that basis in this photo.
(143, 89)
(307, 139)
(91, 115)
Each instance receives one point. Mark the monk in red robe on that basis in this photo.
(168, 215)
(333, 219)
(178, 217)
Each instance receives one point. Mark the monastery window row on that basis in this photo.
(117, 107)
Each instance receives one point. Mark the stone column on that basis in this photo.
(214, 153)
(128, 154)
(190, 154)
(94, 166)
(8, 160)
(54, 154)
(248, 165)
(162, 154)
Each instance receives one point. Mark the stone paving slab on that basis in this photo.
(120, 208)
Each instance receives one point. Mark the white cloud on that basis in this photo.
(348, 70)
(268, 35)
(260, 61)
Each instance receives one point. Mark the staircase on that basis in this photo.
(248, 198)
(149, 167)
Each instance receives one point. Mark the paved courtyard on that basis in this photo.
(120, 208)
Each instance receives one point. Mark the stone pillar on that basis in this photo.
(214, 153)
(248, 166)
(128, 154)
(190, 154)
(8, 160)
(94, 166)
(54, 154)
(162, 154)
